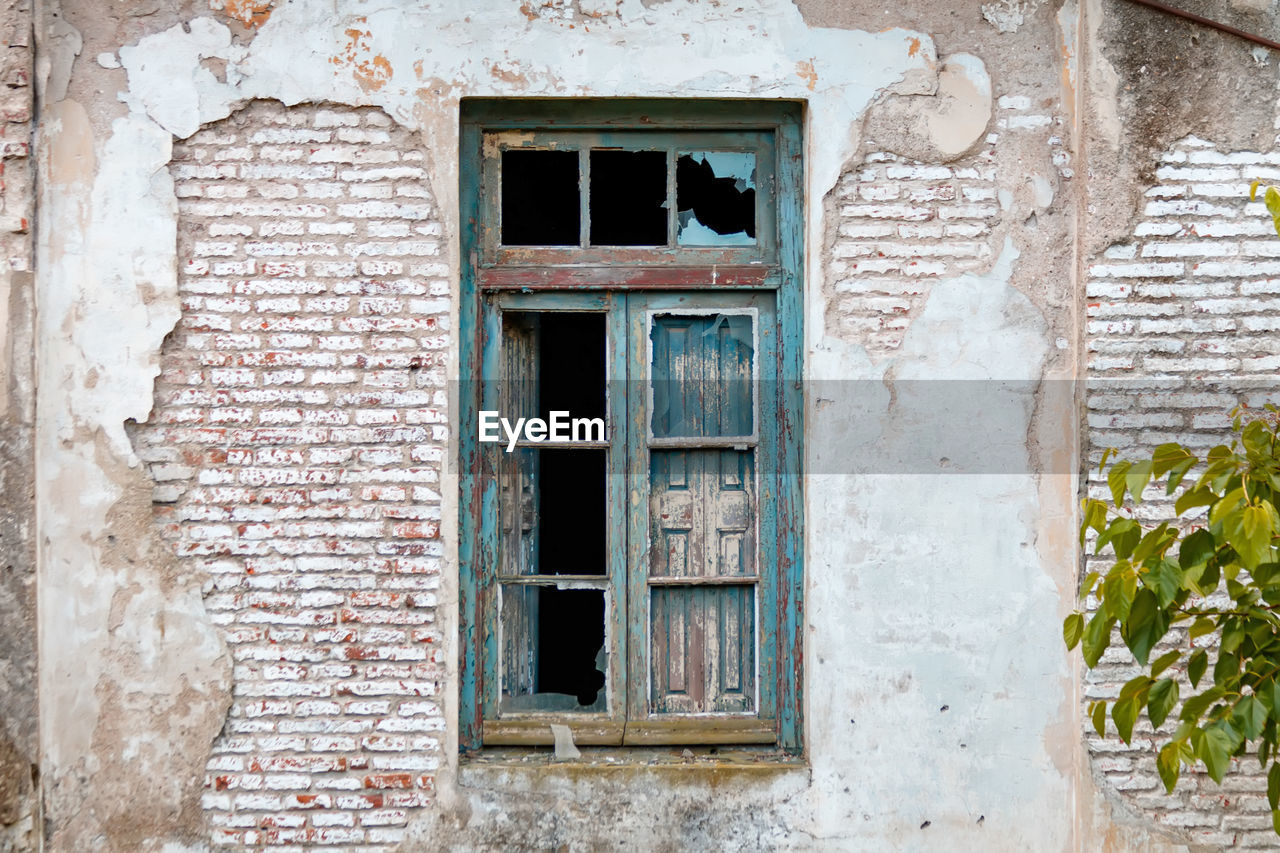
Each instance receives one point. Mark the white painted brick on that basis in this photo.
(1188, 208)
(1186, 250)
(284, 513)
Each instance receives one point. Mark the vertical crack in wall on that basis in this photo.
(296, 448)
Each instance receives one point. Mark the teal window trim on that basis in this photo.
(630, 289)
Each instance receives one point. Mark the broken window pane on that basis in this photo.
(716, 198)
(553, 648)
(540, 201)
(701, 375)
(703, 652)
(628, 198)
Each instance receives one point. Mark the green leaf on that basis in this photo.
(1161, 699)
(1095, 517)
(1122, 534)
(1165, 661)
(1200, 627)
(1256, 439)
(1249, 717)
(1215, 749)
(1119, 589)
(1100, 719)
(1145, 626)
(1086, 586)
(1226, 669)
(1135, 686)
(1152, 543)
(1106, 454)
(1194, 708)
(1231, 502)
(1249, 532)
(1073, 629)
(1196, 666)
(1275, 815)
(1232, 634)
(1169, 765)
(1177, 472)
(1165, 580)
(1125, 713)
(1136, 479)
(1117, 482)
(1273, 786)
(1192, 498)
(1272, 199)
(1097, 636)
(1166, 456)
(1196, 549)
(1209, 577)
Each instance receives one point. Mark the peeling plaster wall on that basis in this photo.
(939, 705)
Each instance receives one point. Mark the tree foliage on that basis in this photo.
(1214, 572)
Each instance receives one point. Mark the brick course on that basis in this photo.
(901, 224)
(296, 446)
(1180, 327)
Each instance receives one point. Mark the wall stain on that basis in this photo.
(371, 71)
(806, 72)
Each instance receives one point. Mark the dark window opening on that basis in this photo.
(571, 643)
(571, 512)
(725, 204)
(628, 198)
(540, 198)
(572, 370)
(553, 649)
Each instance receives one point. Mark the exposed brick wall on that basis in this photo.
(1181, 326)
(901, 225)
(296, 445)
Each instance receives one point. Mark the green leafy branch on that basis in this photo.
(1218, 576)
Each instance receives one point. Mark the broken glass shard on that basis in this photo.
(716, 198)
(553, 649)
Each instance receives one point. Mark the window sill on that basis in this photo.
(529, 768)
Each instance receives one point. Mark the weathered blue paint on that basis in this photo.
(759, 618)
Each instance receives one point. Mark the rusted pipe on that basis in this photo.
(1208, 22)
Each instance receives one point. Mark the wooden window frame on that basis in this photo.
(631, 285)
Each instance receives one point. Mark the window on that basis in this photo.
(630, 460)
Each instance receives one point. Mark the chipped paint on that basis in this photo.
(109, 297)
(251, 13)
(371, 71)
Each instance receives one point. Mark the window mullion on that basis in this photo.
(637, 508)
(584, 196)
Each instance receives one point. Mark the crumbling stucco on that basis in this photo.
(952, 719)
